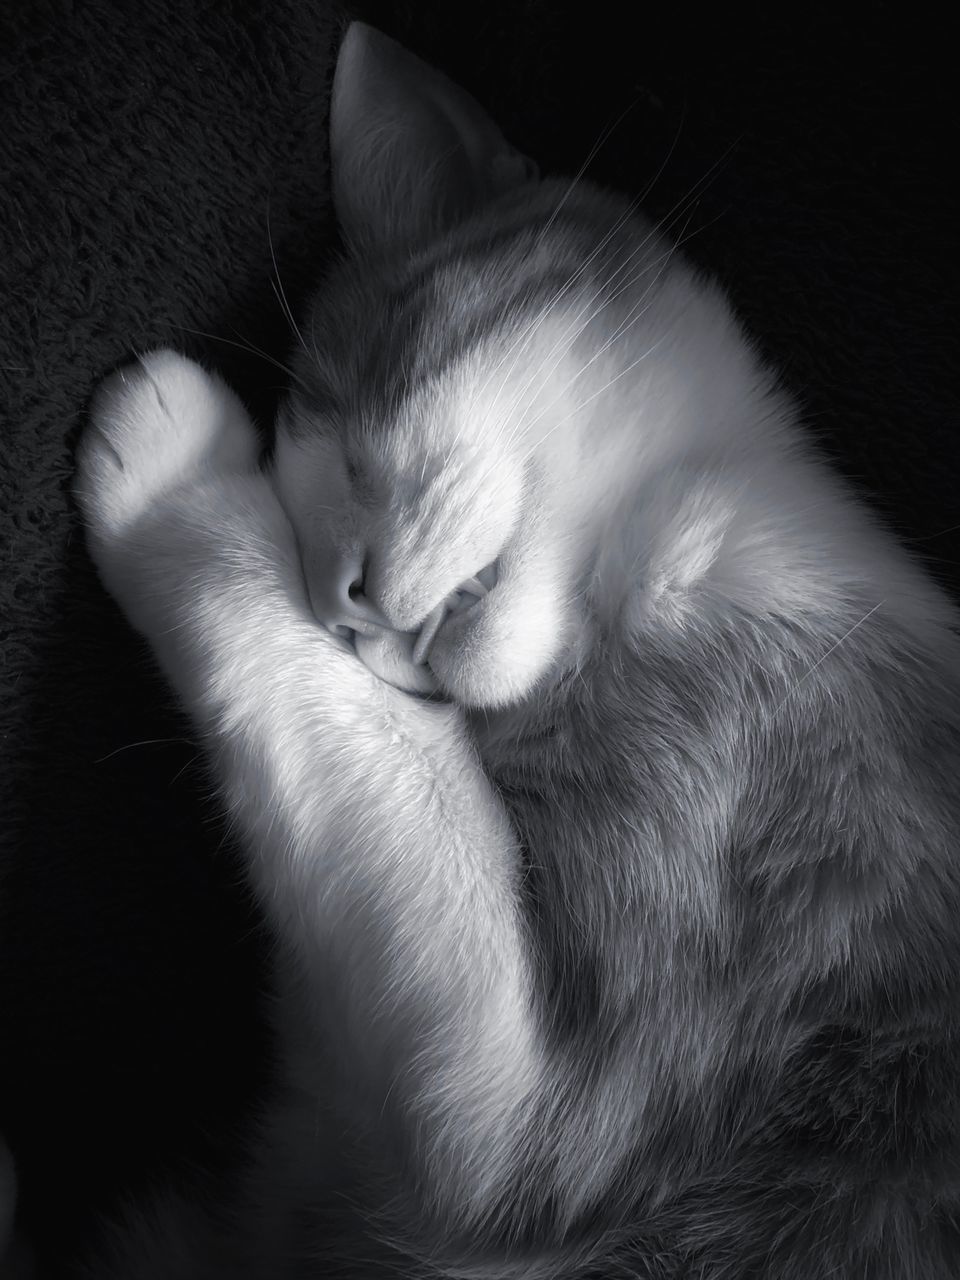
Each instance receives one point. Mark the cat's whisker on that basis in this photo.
(631, 208)
(287, 313)
(594, 151)
(517, 347)
(448, 904)
(248, 346)
(550, 307)
(183, 769)
(833, 648)
(678, 209)
(664, 258)
(523, 423)
(596, 394)
(574, 329)
(146, 742)
(519, 344)
(633, 316)
(929, 537)
(645, 193)
(605, 134)
(697, 189)
(279, 291)
(569, 336)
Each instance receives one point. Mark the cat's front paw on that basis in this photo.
(157, 427)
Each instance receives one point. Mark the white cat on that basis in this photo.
(593, 750)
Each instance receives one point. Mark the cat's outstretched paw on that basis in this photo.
(155, 428)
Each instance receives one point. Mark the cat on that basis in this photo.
(593, 749)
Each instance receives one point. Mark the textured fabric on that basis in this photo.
(142, 160)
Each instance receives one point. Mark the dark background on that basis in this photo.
(141, 149)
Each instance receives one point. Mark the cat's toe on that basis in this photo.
(156, 426)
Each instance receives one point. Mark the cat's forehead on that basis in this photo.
(393, 338)
(382, 332)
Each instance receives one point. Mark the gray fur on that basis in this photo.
(741, 860)
(738, 812)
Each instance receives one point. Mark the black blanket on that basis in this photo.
(148, 156)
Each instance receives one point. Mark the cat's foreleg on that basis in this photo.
(377, 848)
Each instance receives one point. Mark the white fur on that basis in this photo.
(644, 477)
(631, 469)
(425, 982)
(383, 860)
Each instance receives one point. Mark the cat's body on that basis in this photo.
(638, 954)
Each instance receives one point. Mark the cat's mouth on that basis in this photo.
(462, 598)
(402, 658)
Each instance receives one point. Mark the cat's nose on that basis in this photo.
(339, 600)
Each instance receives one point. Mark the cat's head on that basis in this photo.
(437, 454)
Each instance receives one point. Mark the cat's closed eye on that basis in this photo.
(608, 838)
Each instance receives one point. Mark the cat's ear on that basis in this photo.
(410, 152)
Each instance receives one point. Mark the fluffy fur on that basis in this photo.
(633, 949)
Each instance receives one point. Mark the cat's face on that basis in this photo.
(432, 482)
(430, 456)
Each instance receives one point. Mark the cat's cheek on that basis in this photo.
(493, 655)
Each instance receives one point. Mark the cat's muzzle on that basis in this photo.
(401, 658)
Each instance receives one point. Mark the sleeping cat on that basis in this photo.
(593, 750)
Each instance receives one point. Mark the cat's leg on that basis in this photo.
(378, 849)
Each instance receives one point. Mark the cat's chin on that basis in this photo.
(480, 667)
(487, 656)
(476, 682)
(464, 672)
